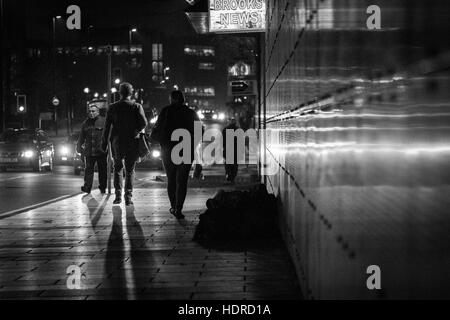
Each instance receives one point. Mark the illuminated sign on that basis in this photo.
(237, 16)
(240, 69)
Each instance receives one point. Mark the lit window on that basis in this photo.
(200, 91)
(206, 66)
(203, 51)
(157, 51)
(157, 62)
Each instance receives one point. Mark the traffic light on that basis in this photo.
(117, 75)
(21, 103)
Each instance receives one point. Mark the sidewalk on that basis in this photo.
(132, 253)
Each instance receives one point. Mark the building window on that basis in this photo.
(200, 91)
(206, 66)
(157, 67)
(157, 62)
(202, 51)
(157, 51)
(101, 50)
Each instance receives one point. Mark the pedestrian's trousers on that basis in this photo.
(177, 180)
(231, 171)
(89, 171)
(129, 163)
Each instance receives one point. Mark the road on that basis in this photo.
(20, 189)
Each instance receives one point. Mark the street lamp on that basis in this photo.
(89, 33)
(86, 90)
(96, 95)
(117, 81)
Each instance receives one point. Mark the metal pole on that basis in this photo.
(129, 41)
(261, 42)
(54, 74)
(109, 162)
(2, 57)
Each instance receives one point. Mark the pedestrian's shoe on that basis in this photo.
(86, 190)
(176, 213)
(118, 200)
(179, 215)
(128, 202)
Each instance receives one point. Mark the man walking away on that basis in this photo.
(125, 119)
(231, 168)
(89, 144)
(175, 116)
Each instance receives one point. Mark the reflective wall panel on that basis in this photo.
(358, 125)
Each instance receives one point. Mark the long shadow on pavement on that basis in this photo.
(115, 282)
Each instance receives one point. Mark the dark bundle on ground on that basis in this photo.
(238, 217)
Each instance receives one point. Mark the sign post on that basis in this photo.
(109, 156)
(55, 102)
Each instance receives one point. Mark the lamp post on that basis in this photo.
(3, 65)
(54, 18)
(89, 34)
(86, 92)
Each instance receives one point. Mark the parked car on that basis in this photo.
(26, 148)
(211, 115)
(64, 152)
(154, 160)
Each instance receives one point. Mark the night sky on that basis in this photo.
(30, 21)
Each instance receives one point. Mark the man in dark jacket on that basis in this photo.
(175, 116)
(89, 144)
(125, 119)
(231, 168)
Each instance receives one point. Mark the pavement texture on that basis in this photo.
(138, 252)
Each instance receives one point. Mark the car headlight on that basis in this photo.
(221, 116)
(28, 154)
(156, 154)
(65, 151)
(200, 115)
(215, 117)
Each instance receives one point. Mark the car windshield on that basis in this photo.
(16, 137)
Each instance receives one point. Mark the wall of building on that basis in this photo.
(358, 125)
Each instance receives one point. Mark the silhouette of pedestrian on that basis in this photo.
(125, 119)
(231, 167)
(89, 144)
(175, 116)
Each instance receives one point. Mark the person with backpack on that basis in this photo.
(125, 119)
(175, 116)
